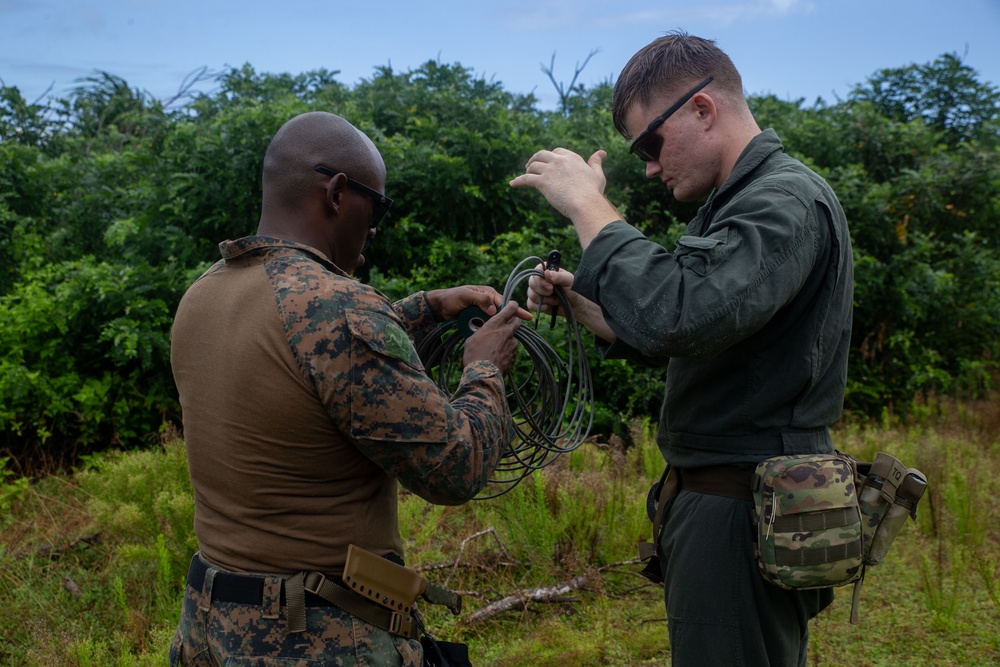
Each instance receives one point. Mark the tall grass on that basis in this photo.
(92, 564)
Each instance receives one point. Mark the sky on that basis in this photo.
(793, 49)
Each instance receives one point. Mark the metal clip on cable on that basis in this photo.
(552, 264)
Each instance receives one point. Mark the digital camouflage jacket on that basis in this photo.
(304, 402)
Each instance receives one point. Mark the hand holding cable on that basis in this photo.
(550, 291)
(551, 398)
(494, 340)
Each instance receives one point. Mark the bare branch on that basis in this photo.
(520, 599)
(194, 77)
(564, 93)
(549, 71)
(461, 548)
(50, 550)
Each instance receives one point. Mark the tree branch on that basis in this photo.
(521, 599)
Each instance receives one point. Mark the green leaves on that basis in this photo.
(112, 202)
(945, 95)
(84, 354)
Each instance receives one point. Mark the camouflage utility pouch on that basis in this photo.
(808, 521)
(889, 494)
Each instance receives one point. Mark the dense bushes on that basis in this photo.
(111, 203)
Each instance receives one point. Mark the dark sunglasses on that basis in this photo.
(649, 144)
(380, 203)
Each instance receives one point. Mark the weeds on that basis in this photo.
(10, 491)
(121, 533)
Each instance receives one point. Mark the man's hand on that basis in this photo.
(541, 291)
(494, 341)
(573, 187)
(448, 303)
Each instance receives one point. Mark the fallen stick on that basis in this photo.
(521, 598)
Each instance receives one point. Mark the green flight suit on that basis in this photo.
(751, 315)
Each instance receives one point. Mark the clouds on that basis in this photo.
(799, 48)
(708, 13)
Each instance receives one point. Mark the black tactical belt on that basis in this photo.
(720, 480)
(240, 588)
(249, 589)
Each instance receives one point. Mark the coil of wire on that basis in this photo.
(550, 393)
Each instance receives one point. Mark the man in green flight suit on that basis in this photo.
(750, 314)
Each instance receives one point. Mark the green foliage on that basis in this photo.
(144, 503)
(10, 491)
(104, 590)
(21, 122)
(945, 95)
(85, 352)
(111, 202)
(933, 311)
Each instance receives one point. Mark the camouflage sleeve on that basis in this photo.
(353, 347)
(415, 313)
(442, 449)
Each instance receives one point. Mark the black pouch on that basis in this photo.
(656, 502)
(444, 654)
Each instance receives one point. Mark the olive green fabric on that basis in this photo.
(752, 310)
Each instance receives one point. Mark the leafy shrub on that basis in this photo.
(111, 203)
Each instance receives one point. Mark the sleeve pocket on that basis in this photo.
(703, 254)
(391, 397)
(384, 336)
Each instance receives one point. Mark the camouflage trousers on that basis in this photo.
(214, 632)
(720, 610)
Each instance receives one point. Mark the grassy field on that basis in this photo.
(92, 564)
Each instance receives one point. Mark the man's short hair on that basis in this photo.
(669, 66)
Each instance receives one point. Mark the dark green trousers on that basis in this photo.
(720, 610)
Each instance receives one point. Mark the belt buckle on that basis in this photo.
(400, 624)
(317, 577)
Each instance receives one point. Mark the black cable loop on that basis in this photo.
(550, 399)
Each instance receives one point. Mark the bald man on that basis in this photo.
(304, 403)
(750, 314)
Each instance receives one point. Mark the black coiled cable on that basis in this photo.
(551, 398)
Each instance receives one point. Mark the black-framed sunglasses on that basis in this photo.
(648, 144)
(380, 203)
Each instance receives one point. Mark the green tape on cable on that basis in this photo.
(470, 319)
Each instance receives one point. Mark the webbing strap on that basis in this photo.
(818, 555)
(392, 621)
(813, 521)
(856, 597)
(295, 597)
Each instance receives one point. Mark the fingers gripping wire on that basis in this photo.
(550, 392)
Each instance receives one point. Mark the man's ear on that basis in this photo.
(704, 107)
(334, 195)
